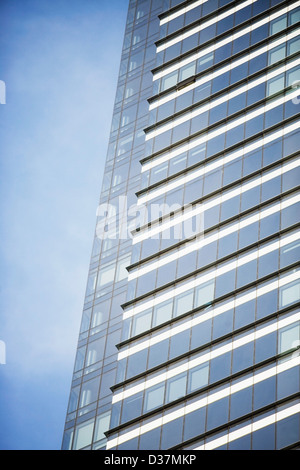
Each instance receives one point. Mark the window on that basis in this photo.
(183, 303)
(289, 338)
(121, 269)
(89, 392)
(83, 435)
(176, 387)
(293, 76)
(275, 85)
(100, 313)
(91, 284)
(154, 397)
(163, 313)
(169, 81)
(187, 71)
(204, 294)
(293, 46)
(73, 403)
(289, 253)
(277, 54)
(289, 294)
(106, 275)
(95, 351)
(132, 407)
(79, 358)
(278, 25)
(141, 322)
(198, 377)
(205, 62)
(102, 425)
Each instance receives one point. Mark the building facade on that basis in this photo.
(190, 330)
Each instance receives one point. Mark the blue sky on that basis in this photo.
(59, 60)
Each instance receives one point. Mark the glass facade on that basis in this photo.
(190, 330)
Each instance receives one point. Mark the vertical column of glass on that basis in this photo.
(89, 409)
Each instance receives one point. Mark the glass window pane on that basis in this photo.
(198, 378)
(288, 431)
(83, 435)
(194, 423)
(217, 413)
(278, 25)
(289, 294)
(141, 322)
(294, 16)
(293, 76)
(183, 303)
(293, 46)
(89, 392)
(172, 433)
(187, 71)
(95, 351)
(204, 294)
(277, 54)
(289, 338)
(242, 357)
(205, 62)
(102, 425)
(264, 439)
(176, 387)
(106, 275)
(158, 353)
(163, 312)
(132, 407)
(154, 397)
(290, 254)
(169, 81)
(275, 85)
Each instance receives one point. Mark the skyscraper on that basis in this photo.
(190, 330)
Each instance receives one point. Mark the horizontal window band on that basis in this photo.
(196, 209)
(203, 402)
(205, 167)
(178, 10)
(235, 34)
(237, 421)
(216, 97)
(172, 123)
(190, 143)
(207, 315)
(196, 245)
(213, 343)
(194, 140)
(210, 42)
(249, 429)
(207, 197)
(215, 301)
(177, 146)
(210, 276)
(290, 123)
(163, 94)
(208, 388)
(191, 362)
(214, 71)
(195, 272)
(179, 36)
(172, 290)
(219, 226)
(179, 287)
